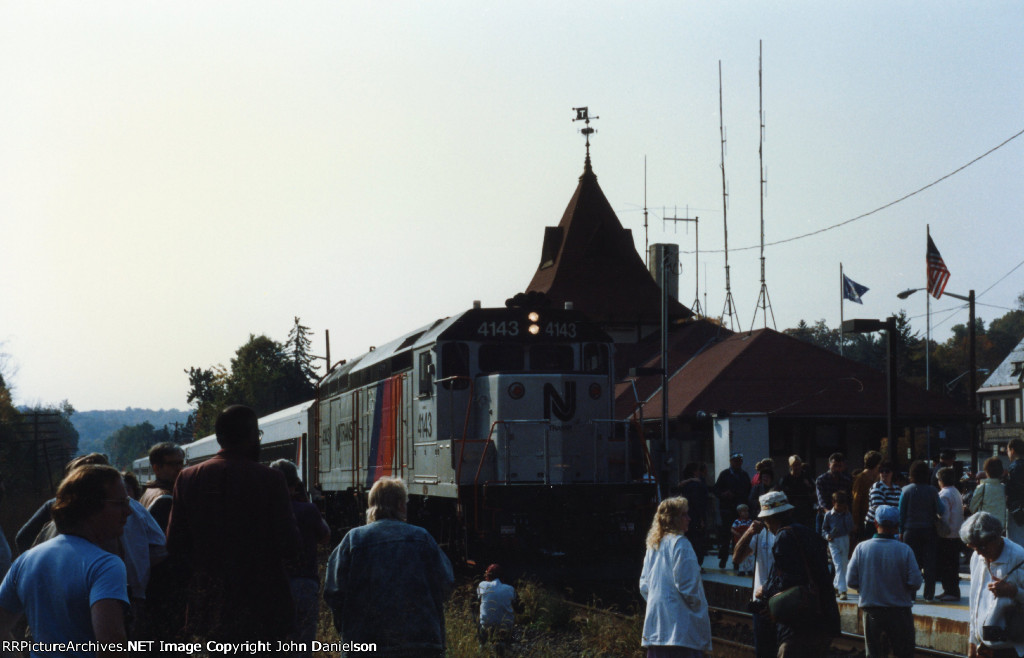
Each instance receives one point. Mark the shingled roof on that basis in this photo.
(769, 372)
(589, 259)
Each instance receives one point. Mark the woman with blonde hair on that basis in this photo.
(676, 624)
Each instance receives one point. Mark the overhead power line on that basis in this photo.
(880, 208)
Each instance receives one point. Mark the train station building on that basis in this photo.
(763, 393)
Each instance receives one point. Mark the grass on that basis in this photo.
(547, 626)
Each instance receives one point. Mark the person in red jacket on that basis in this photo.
(232, 523)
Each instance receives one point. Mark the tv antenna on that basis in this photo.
(583, 114)
(696, 308)
(764, 303)
(729, 310)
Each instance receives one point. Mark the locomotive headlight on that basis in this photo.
(534, 318)
(516, 390)
(595, 391)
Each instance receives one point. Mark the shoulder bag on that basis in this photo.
(1004, 625)
(798, 604)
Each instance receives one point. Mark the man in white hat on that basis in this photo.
(759, 541)
(799, 553)
(885, 574)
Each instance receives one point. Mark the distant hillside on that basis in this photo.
(95, 426)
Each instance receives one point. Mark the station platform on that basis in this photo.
(940, 626)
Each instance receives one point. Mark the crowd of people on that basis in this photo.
(221, 554)
(225, 551)
(880, 533)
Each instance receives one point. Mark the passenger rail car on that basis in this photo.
(284, 436)
(500, 422)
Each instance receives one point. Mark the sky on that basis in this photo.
(177, 176)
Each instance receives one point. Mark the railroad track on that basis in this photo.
(733, 638)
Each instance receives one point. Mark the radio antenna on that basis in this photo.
(764, 304)
(697, 310)
(647, 246)
(729, 310)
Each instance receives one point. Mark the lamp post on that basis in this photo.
(889, 326)
(971, 366)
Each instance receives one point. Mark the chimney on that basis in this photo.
(657, 255)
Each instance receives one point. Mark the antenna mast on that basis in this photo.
(764, 304)
(729, 310)
(696, 308)
(647, 246)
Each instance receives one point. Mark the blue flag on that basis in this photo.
(853, 290)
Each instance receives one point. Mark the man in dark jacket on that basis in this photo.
(732, 488)
(232, 523)
(799, 555)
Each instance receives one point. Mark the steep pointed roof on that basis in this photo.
(589, 259)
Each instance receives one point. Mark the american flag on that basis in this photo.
(938, 274)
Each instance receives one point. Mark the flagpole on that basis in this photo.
(841, 335)
(928, 325)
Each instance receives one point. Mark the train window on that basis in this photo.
(400, 362)
(595, 358)
(500, 357)
(455, 365)
(426, 387)
(551, 358)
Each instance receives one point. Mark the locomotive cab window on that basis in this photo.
(455, 366)
(595, 358)
(501, 357)
(426, 379)
(551, 358)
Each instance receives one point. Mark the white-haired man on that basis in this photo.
(387, 581)
(997, 581)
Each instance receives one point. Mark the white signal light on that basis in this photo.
(534, 329)
(533, 316)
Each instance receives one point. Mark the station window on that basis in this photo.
(426, 385)
(455, 365)
(551, 358)
(595, 358)
(1010, 406)
(500, 357)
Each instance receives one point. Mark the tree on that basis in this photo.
(264, 375)
(297, 347)
(129, 443)
(208, 390)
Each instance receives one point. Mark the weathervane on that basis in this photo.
(582, 114)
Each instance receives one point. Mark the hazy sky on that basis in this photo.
(176, 176)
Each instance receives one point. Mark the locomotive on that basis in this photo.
(500, 421)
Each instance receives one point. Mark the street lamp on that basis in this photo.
(951, 384)
(971, 366)
(889, 326)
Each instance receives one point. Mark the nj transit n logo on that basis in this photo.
(564, 407)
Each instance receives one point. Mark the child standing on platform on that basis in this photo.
(739, 526)
(836, 529)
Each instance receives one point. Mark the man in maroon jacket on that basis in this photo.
(232, 523)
